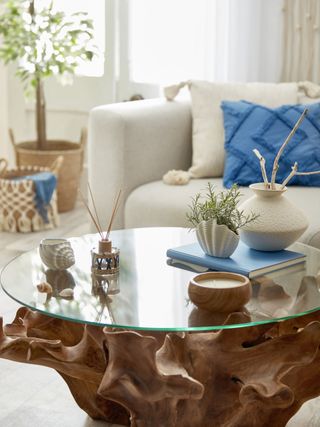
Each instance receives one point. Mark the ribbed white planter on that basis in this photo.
(216, 240)
(280, 222)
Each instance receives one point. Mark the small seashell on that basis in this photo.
(56, 254)
(45, 288)
(66, 293)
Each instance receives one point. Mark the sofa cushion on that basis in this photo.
(157, 204)
(208, 131)
(248, 126)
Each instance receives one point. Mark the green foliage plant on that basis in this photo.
(43, 42)
(221, 206)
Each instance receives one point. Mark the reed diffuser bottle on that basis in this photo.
(105, 259)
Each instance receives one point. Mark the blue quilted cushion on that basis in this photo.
(248, 126)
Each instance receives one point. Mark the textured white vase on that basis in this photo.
(216, 240)
(280, 222)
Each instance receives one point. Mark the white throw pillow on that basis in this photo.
(208, 130)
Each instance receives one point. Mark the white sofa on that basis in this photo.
(131, 146)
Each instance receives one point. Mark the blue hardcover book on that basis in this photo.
(244, 260)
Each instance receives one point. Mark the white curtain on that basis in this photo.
(255, 40)
(301, 59)
(4, 143)
(222, 40)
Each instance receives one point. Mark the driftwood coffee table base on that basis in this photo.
(244, 377)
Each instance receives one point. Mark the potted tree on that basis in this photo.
(44, 43)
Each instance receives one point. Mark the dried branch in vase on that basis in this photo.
(294, 171)
(283, 146)
(263, 167)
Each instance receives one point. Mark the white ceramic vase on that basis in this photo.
(216, 240)
(280, 222)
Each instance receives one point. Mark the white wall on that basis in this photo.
(67, 106)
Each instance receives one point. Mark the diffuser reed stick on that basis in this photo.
(94, 207)
(94, 214)
(91, 215)
(114, 211)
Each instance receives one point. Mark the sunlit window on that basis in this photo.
(169, 39)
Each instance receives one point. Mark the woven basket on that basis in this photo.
(70, 173)
(18, 212)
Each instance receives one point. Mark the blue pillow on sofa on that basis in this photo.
(248, 126)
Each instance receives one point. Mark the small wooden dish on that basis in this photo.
(220, 291)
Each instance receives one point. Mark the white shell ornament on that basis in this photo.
(56, 254)
(216, 240)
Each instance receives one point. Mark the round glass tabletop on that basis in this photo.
(150, 294)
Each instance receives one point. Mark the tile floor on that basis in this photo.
(35, 396)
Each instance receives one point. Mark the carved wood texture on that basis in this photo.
(246, 377)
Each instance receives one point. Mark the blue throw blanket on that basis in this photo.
(45, 184)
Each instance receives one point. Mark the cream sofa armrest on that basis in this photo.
(133, 143)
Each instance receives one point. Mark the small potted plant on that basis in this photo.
(217, 219)
(44, 43)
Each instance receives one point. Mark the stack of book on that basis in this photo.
(244, 260)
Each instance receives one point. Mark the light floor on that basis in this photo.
(35, 396)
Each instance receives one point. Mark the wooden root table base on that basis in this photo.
(254, 376)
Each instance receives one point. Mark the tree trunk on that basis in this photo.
(40, 101)
(41, 116)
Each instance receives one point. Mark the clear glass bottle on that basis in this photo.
(105, 259)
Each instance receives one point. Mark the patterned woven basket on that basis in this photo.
(69, 176)
(18, 212)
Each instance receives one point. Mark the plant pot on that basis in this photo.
(216, 240)
(280, 223)
(69, 175)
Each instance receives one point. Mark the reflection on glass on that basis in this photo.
(109, 284)
(150, 294)
(59, 280)
(199, 317)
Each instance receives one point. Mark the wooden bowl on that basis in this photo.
(220, 291)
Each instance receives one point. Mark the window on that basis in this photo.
(175, 40)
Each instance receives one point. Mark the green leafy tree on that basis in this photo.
(43, 42)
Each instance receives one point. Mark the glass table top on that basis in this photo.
(149, 294)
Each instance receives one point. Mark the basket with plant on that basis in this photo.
(45, 42)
